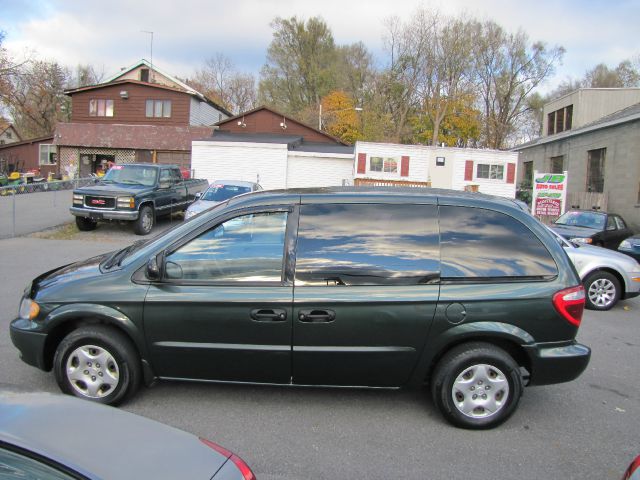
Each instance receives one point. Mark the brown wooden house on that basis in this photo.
(140, 115)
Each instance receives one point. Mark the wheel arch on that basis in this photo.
(68, 318)
(509, 338)
(612, 271)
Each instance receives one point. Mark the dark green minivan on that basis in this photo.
(347, 287)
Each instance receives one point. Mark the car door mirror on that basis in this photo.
(154, 270)
(198, 195)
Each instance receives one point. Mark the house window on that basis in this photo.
(100, 108)
(551, 123)
(595, 170)
(560, 120)
(383, 164)
(528, 172)
(158, 108)
(490, 172)
(144, 74)
(8, 134)
(556, 164)
(48, 155)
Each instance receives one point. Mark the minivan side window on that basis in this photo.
(367, 244)
(481, 243)
(248, 248)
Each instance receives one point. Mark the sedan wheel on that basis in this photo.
(603, 291)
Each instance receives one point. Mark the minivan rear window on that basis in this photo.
(481, 243)
(367, 244)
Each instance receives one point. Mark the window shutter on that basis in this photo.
(468, 170)
(404, 166)
(511, 172)
(362, 162)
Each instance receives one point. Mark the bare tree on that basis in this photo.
(508, 69)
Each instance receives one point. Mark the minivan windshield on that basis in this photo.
(220, 193)
(582, 219)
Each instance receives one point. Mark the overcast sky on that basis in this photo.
(186, 32)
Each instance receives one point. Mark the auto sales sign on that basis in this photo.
(549, 194)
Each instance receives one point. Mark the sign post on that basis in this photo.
(549, 194)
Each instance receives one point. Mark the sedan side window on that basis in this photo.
(248, 248)
(611, 223)
(14, 465)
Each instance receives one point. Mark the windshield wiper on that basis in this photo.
(120, 255)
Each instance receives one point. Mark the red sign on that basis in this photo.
(548, 206)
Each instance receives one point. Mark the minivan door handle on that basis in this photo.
(269, 315)
(316, 316)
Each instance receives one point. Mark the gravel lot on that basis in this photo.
(587, 429)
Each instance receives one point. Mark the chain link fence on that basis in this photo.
(29, 207)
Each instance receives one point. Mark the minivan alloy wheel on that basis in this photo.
(92, 371)
(480, 391)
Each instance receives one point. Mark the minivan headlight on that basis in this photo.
(28, 309)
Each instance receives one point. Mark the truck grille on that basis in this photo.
(100, 202)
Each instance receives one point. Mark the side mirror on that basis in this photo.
(164, 183)
(154, 270)
(198, 195)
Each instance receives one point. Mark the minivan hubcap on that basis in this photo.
(602, 292)
(480, 391)
(92, 371)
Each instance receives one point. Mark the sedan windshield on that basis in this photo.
(220, 193)
(583, 219)
(132, 175)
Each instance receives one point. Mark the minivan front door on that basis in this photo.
(366, 288)
(223, 308)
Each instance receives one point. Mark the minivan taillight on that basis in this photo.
(570, 304)
(247, 474)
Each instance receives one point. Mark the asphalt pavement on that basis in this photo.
(585, 429)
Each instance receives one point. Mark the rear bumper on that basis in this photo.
(99, 214)
(30, 344)
(557, 363)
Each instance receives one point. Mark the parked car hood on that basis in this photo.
(605, 255)
(569, 231)
(113, 189)
(127, 446)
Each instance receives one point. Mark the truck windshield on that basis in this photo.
(132, 175)
(219, 193)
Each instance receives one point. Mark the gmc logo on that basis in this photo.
(98, 202)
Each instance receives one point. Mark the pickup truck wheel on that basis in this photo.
(85, 224)
(144, 224)
(603, 291)
(97, 363)
(476, 386)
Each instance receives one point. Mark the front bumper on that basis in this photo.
(30, 343)
(100, 214)
(556, 363)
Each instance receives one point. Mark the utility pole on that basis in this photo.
(150, 59)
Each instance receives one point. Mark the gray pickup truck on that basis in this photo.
(137, 193)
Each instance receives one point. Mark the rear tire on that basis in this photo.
(476, 386)
(146, 219)
(97, 363)
(602, 289)
(85, 224)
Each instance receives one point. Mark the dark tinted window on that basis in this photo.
(367, 245)
(476, 242)
(248, 248)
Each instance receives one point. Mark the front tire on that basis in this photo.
(85, 224)
(146, 219)
(97, 363)
(476, 386)
(603, 291)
